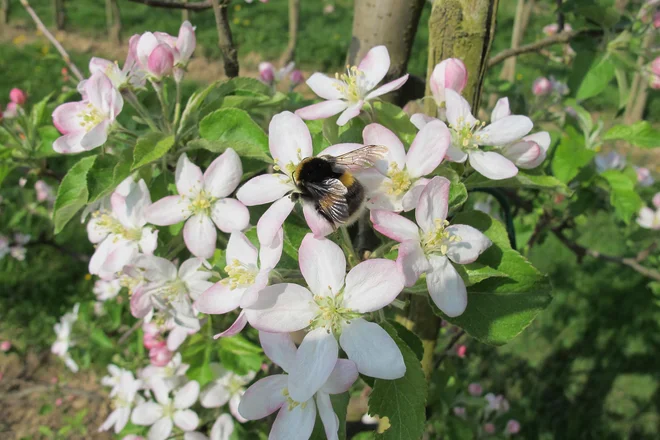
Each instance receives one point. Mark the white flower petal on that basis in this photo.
(501, 110)
(219, 299)
(224, 174)
(542, 138)
(324, 86)
(315, 360)
(289, 139)
(270, 253)
(446, 286)
(169, 210)
(296, 424)
(342, 377)
(264, 397)
(372, 285)
(223, 428)
(323, 265)
(433, 203)
(458, 110)
(387, 88)
(328, 416)
(428, 149)
(419, 120)
(322, 110)
(412, 261)
(350, 113)
(394, 226)
(235, 328)
(506, 130)
(146, 414)
(376, 134)
(186, 419)
(161, 430)
(279, 348)
(264, 189)
(319, 226)
(199, 234)
(230, 215)
(411, 198)
(239, 248)
(492, 165)
(188, 177)
(282, 308)
(272, 220)
(186, 396)
(375, 65)
(215, 395)
(374, 352)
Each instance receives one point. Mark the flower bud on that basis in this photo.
(542, 86)
(59, 401)
(161, 61)
(459, 411)
(17, 96)
(655, 66)
(296, 78)
(266, 73)
(185, 43)
(44, 191)
(654, 83)
(644, 177)
(448, 74)
(656, 200)
(5, 346)
(489, 428)
(159, 356)
(512, 427)
(11, 110)
(461, 351)
(656, 20)
(151, 341)
(475, 389)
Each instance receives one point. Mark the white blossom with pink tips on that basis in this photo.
(295, 418)
(434, 246)
(204, 202)
(396, 182)
(227, 387)
(332, 311)
(159, 53)
(124, 396)
(348, 93)
(165, 412)
(468, 135)
(121, 233)
(649, 219)
(248, 271)
(85, 124)
(173, 374)
(448, 74)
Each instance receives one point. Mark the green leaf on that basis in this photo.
(340, 406)
(202, 373)
(39, 111)
(294, 232)
(106, 174)
(571, 156)
(72, 194)
(239, 355)
(525, 178)
(394, 118)
(499, 308)
(623, 197)
(151, 147)
(597, 79)
(457, 191)
(477, 272)
(410, 338)
(640, 134)
(99, 338)
(47, 135)
(402, 401)
(233, 128)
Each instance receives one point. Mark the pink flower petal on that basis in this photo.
(272, 220)
(68, 117)
(339, 149)
(375, 65)
(411, 198)
(350, 113)
(224, 174)
(282, 308)
(235, 328)
(501, 110)
(316, 222)
(315, 359)
(219, 299)
(433, 203)
(492, 165)
(69, 143)
(387, 88)
(394, 226)
(525, 154)
(322, 110)
(199, 234)
(376, 134)
(542, 139)
(428, 149)
(372, 285)
(264, 397)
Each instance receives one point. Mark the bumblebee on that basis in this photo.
(328, 184)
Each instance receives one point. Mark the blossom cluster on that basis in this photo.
(484, 412)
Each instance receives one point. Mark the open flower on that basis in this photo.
(347, 94)
(173, 374)
(332, 310)
(432, 247)
(227, 387)
(610, 161)
(295, 419)
(60, 347)
(396, 182)
(121, 233)
(203, 200)
(105, 290)
(166, 412)
(124, 396)
(247, 277)
(448, 74)
(648, 218)
(85, 124)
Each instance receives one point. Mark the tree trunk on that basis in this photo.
(58, 14)
(4, 11)
(225, 41)
(113, 20)
(294, 19)
(462, 29)
(392, 23)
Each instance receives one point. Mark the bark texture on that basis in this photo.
(59, 14)
(392, 23)
(462, 29)
(4, 11)
(225, 41)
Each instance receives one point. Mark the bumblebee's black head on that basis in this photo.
(315, 169)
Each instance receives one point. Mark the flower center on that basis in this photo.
(438, 239)
(112, 225)
(234, 385)
(90, 117)
(400, 181)
(289, 168)
(169, 410)
(352, 83)
(463, 134)
(332, 314)
(240, 275)
(291, 404)
(202, 203)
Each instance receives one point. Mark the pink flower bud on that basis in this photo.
(266, 72)
(512, 427)
(489, 428)
(656, 200)
(461, 351)
(656, 20)
(17, 96)
(448, 74)
(186, 42)
(644, 177)
(296, 78)
(53, 380)
(542, 86)
(475, 389)
(44, 191)
(22, 181)
(654, 83)
(150, 328)
(152, 341)
(161, 61)
(459, 411)
(160, 356)
(11, 110)
(58, 401)
(5, 346)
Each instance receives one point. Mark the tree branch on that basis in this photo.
(560, 38)
(198, 6)
(225, 42)
(448, 347)
(53, 40)
(294, 19)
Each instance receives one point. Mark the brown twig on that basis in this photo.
(559, 38)
(448, 347)
(225, 42)
(53, 40)
(197, 6)
(129, 332)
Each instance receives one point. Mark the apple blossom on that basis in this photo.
(44, 191)
(656, 20)
(649, 219)
(227, 387)
(18, 253)
(489, 428)
(151, 341)
(295, 418)
(512, 427)
(177, 335)
(348, 93)
(296, 77)
(542, 86)
(166, 412)
(448, 74)
(461, 351)
(222, 429)
(656, 200)
(475, 389)
(396, 182)
(644, 177)
(128, 76)
(267, 72)
(170, 290)
(497, 404)
(123, 395)
(17, 96)
(159, 356)
(106, 289)
(173, 374)
(204, 202)
(332, 310)
(159, 53)
(434, 246)
(5, 346)
(113, 379)
(85, 124)
(11, 111)
(63, 330)
(655, 66)
(247, 277)
(610, 161)
(459, 411)
(553, 28)
(121, 234)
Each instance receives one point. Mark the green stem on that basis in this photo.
(353, 258)
(160, 92)
(141, 110)
(382, 249)
(177, 107)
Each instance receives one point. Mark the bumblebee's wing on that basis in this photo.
(330, 197)
(361, 158)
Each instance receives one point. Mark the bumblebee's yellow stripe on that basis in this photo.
(347, 179)
(296, 172)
